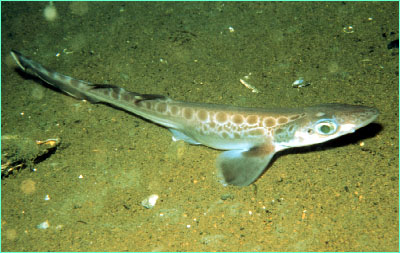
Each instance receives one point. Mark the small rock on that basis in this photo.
(150, 201)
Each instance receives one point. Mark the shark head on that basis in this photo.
(325, 122)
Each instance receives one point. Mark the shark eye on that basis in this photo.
(326, 127)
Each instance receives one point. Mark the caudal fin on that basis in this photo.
(73, 87)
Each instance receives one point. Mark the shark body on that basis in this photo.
(249, 136)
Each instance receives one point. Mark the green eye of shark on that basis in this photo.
(326, 127)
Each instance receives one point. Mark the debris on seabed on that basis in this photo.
(348, 29)
(51, 142)
(299, 83)
(247, 85)
(43, 225)
(150, 201)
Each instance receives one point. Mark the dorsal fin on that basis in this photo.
(137, 96)
(151, 97)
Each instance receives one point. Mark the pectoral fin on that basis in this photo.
(243, 167)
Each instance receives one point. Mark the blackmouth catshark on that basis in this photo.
(249, 136)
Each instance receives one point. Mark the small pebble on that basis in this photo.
(43, 225)
(150, 201)
(227, 196)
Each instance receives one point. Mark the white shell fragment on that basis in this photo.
(150, 201)
(300, 83)
(249, 86)
(43, 225)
